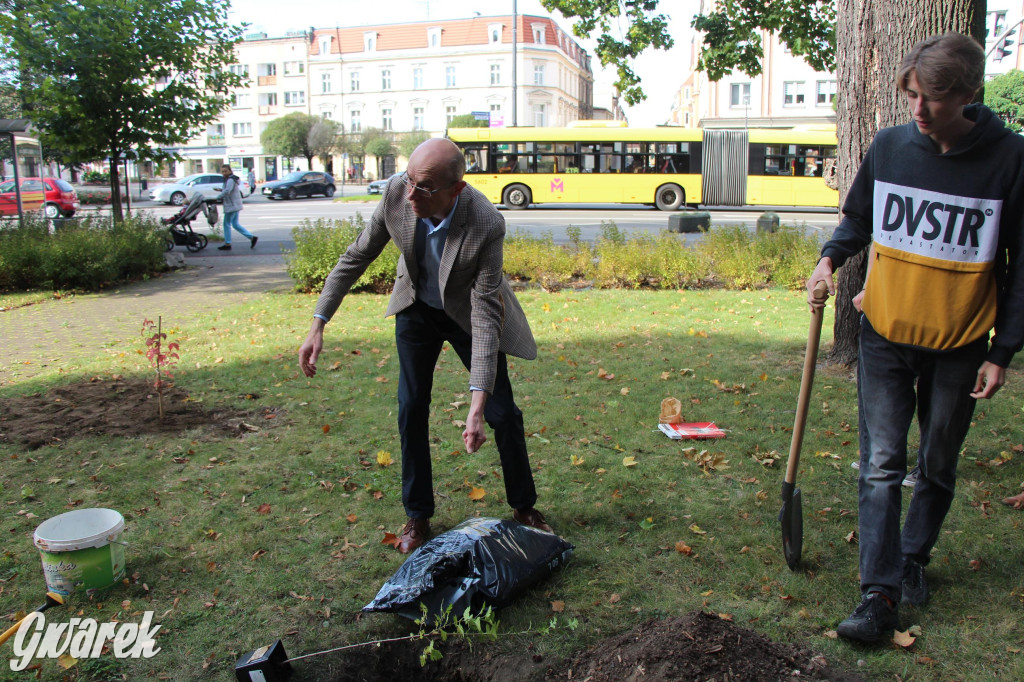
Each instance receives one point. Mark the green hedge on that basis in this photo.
(85, 254)
(318, 246)
(732, 257)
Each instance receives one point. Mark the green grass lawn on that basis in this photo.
(236, 541)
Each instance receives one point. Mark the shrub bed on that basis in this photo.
(85, 254)
(731, 257)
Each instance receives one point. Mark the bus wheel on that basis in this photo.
(669, 197)
(516, 197)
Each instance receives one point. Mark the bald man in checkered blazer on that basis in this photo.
(449, 287)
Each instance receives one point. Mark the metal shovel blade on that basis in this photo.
(791, 517)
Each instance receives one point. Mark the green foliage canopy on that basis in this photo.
(1004, 95)
(467, 121)
(732, 38)
(289, 136)
(102, 78)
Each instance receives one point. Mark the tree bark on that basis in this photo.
(115, 187)
(872, 37)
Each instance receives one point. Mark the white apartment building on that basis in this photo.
(400, 78)
(1003, 27)
(788, 92)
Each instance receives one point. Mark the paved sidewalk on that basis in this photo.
(33, 336)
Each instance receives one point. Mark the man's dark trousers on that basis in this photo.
(420, 332)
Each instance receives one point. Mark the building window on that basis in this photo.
(267, 69)
(792, 93)
(326, 114)
(449, 76)
(686, 119)
(539, 118)
(449, 114)
(355, 120)
(495, 74)
(241, 129)
(385, 119)
(417, 118)
(385, 79)
(353, 79)
(538, 34)
(294, 68)
(268, 99)
(294, 98)
(417, 78)
(325, 44)
(369, 42)
(826, 93)
(239, 70)
(240, 100)
(739, 95)
(325, 83)
(495, 109)
(494, 34)
(538, 74)
(434, 38)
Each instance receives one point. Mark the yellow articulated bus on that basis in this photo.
(665, 167)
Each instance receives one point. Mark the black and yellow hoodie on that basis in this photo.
(947, 232)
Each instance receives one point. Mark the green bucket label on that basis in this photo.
(87, 569)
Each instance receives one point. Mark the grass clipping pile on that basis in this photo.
(696, 646)
(114, 407)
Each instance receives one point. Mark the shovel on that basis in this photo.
(792, 515)
(52, 599)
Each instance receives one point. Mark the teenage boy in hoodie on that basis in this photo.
(941, 201)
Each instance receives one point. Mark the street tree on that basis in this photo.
(324, 139)
(378, 143)
(288, 136)
(866, 39)
(1004, 95)
(119, 78)
(467, 121)
(410, 141)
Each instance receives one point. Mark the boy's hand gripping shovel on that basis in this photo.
(792, 516)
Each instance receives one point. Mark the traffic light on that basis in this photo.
(1006, 47)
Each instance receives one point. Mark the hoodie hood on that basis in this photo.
(987, 130)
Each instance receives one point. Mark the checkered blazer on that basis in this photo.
(473, 287)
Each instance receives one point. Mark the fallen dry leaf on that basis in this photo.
(629, 461)
(684, 548)
(832, 634)
(558, 606)
(925, 660)
(66, 662)
(257, 554)
(696, 529)
(726, 617)
(351, 518)
(903, 639)
(384, 458)
(326, 428)
(263, 509)
(614, 599)
(851, 537)
(391, 539)
(477, 493)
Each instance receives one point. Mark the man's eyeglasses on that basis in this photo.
(422, 191)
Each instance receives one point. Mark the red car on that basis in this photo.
(60, 198)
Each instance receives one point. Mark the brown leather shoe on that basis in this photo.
(532, 517)
(414, 533)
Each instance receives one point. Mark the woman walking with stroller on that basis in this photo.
(231, 196)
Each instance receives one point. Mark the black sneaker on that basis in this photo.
(872, 621)
(224, 247)
(252, 243)
(915, 588)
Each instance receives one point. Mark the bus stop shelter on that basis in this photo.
(21, 166)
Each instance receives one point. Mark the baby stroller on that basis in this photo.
(180, 224)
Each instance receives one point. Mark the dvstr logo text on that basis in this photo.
(933, 218)
(82, 638)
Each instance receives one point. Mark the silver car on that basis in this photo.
(180, 191)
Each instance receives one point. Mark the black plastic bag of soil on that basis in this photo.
(480, 562)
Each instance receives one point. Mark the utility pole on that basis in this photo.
(515, 31)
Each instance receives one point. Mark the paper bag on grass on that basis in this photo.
(671, 411)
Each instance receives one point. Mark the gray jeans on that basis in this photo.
(893, 380)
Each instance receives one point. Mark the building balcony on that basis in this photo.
(214, 140)
(266, 80)
(267, 110)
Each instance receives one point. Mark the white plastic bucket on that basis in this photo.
(80, 550)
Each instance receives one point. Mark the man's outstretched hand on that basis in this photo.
(310, 349)
(473, 436)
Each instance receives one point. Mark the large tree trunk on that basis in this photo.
(115, 187)
(872, 37)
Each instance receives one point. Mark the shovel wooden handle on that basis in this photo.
(806, 381)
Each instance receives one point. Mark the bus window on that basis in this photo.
(797, 160)
(511, 157)
(556, 157)
(672, 157)
(476, 158)
(636, 159)
(779, 159)
(600, 158)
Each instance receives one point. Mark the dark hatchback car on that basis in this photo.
(300, 184)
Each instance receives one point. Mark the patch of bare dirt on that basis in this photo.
(696, 646)
(115, 407)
